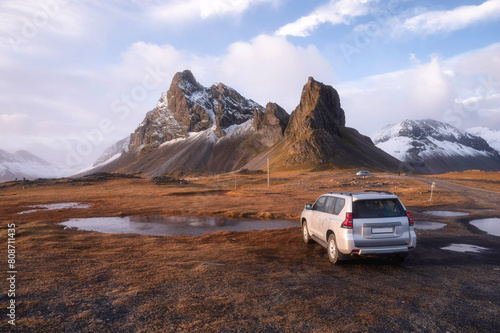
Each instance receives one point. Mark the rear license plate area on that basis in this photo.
(388, 230)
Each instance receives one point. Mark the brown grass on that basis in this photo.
(479, 179)
(224, 281)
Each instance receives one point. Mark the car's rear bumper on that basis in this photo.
(346, 245)
(383, 250)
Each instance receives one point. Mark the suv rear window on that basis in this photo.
(377, 208)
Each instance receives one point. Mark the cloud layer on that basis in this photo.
(463, 91)
(82, 74)
(431, 22)
(182, 11)
(335, 12)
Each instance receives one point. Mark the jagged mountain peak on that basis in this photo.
(317, 135)
(319, 108)
(185, 79)
(188, 107)
(215, 129)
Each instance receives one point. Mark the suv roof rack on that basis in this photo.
(366, 191)
(340, 192)
(379, 191)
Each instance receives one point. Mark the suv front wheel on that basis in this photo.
(305, 233)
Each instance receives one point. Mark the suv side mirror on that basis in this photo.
(309, 206)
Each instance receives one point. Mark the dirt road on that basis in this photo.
(480, 197)
(263, 281)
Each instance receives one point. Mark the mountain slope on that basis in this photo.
(195, 129)
(492, 137)
(316, 137)
(113, 152)
(435, 147)
(23, 164)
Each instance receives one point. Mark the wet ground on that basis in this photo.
(160, 225)
(225, 281)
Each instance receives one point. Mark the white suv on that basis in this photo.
(361, 223)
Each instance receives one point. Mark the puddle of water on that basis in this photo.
(429, 225)
(464, 248)
(172, 225)
(65, 205)
(491, 226)
(445, 213)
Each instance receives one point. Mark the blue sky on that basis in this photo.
(76, 76)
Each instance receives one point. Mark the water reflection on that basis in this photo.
(57, 206)
(172, 225)
(429, 225)
(491, 226)
(445, 213)
(464, 248)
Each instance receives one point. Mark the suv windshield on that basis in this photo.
(377, 208)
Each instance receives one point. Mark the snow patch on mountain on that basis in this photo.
(113, 152)
(491, 136)
(237, 129)
(396, 148)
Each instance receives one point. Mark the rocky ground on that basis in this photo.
(269, 280)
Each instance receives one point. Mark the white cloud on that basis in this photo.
(431, 22)
(423, 91)
(10, 123)
(266, 69)
(335, 12)
(417, 21)
(271, 69)
(177, 11)
(463, 91)
(69, 112)
(25, 21)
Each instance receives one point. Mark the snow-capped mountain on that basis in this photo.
(436, 147)
(188, 107)
(194, 129)
(23, 164)
(491, 136)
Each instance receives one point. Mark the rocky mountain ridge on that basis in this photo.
(188, 107)
(194, 129)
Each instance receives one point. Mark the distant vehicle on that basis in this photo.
(363, 173)
(360, 223)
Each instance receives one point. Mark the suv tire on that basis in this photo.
(333, 252)
(305, 233)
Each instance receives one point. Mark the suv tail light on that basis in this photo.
(348, 221)
(410, 218)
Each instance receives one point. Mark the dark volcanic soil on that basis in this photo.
(269, 281)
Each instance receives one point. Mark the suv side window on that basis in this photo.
(319, 205)
(329, 205)
(338, 206)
